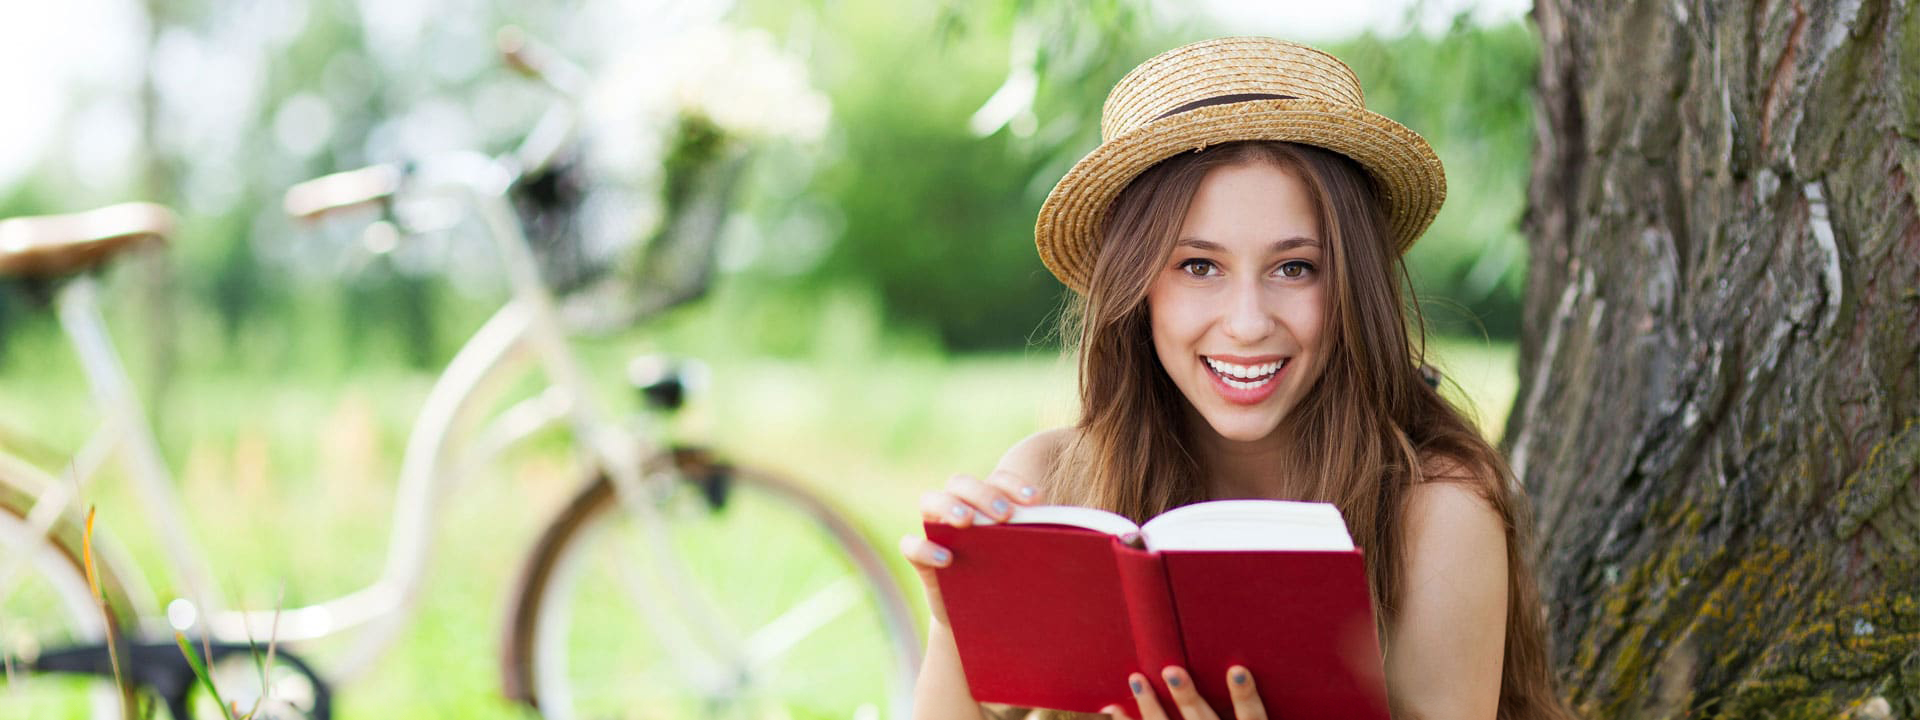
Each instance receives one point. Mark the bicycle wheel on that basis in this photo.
(47, 604)
(764, 603)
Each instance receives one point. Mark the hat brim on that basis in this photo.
(1405, 169)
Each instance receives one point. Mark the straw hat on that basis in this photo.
(1222, 90)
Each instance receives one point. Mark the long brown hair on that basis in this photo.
(1365, 427)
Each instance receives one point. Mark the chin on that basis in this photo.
(1243, 429)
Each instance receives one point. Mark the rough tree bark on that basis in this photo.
(1719, 411)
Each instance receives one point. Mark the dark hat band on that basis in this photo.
(1222, 100)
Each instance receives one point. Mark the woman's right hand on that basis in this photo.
(964, 497)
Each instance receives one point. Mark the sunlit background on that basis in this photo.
(879, 319)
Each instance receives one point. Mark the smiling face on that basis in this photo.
(1236, 311)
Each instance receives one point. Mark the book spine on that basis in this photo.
(1155, 625)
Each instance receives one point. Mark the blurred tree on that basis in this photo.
(19, 299)
(951, 121)
(1719, 414)
(158, 283)
(934, 217)
(1470, 93)
(944, 158)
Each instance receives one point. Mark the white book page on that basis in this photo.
(1089, 518)
(1248, 525)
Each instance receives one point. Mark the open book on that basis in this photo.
(1054, 608)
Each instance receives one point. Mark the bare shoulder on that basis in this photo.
(1451, 512)
(1033, 457)
(1447, 638)
(1450, 524)
(1455, 556)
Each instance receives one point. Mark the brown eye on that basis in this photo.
(1296, 268)
(1197, 267)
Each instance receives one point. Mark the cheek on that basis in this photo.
(1306, 318)
(1176, 321)
(1173, 328)
(1160, 329)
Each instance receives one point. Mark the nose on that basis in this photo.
(1249, 317)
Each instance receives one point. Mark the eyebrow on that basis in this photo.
(1284, 245)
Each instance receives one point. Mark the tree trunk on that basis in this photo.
(157, 285)
(1719, 411)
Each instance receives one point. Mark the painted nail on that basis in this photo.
(1135, 684)
(1029, 491)
(1173, 680)
(1239, 677)
(999, 506)
(942, 556)
(959, 511)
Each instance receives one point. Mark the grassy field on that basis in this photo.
(290, 479)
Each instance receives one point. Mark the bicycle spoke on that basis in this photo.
(801, 621)
(48, 604)
(38, 522)
(698, 663)
(804, 634)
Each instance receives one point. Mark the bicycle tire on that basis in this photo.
(543, 647)
(49, 603)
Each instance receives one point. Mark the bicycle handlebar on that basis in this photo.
(327, 194)
(315, 199)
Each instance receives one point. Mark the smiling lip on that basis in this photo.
(1247, 359)
(1245, 396)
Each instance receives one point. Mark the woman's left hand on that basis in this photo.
(1187, 701)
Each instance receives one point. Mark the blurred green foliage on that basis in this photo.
(902, 208)
(934, 220)
(936, 223)
(1470, 93)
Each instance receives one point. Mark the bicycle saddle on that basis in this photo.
(58, 245)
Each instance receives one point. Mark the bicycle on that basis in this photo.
(636, 529)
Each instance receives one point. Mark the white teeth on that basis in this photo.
(1231, 370)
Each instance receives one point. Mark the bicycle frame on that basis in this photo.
(527, 327)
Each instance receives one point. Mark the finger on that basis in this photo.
(1185, 698)
(941, 507)
(1246, 699)
(927, 558)
(1020, 489)
(925, 553)
(1116, 711)
(986, 498)
(1143, 696)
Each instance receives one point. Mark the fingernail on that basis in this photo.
(1173, 680)
(959, 511)
(1239, 677)
(942, 556)
(999, 506)
(1029, 491)
(1135, 684)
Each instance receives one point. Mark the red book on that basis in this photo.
(1056, 607)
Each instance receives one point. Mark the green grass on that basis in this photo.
(289, 477)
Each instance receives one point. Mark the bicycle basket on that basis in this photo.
(596, 247)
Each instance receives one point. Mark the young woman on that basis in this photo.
(1236, 246)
